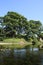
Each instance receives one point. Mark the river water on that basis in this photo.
(21, 56)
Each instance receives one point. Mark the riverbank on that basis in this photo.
(17, 43)
(14, 43)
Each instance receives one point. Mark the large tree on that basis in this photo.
(15, 24)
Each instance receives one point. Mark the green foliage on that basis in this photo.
(1, 38)
(41, 35)
(14, 25)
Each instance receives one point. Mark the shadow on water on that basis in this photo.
(21, 57)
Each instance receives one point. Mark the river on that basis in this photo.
(21, 56)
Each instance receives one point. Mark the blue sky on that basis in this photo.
(31, 9)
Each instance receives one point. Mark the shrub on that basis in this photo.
(1, 38)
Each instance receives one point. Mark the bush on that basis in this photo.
(35, 41)
(1, 38)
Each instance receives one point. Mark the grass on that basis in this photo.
(16, 43)
(11, 40)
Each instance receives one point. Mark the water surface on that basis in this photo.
(21, 56)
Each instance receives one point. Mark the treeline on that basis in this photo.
(17, 26)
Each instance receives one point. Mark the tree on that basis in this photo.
(15, 24)
(1, 29)
(33, 30)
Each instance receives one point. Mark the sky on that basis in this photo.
(31, 9)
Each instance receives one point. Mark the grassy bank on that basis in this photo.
(16, 43)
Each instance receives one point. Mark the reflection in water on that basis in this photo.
(34, 49)
(21, 57)
(19, 53)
